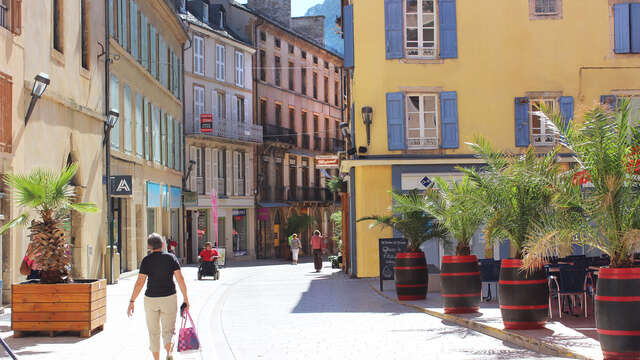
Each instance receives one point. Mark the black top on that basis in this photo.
(159, 267)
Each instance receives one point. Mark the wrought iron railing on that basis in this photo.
(305, 142)
(232, 130)
(317, 143)
(337, 145)
(279, 134)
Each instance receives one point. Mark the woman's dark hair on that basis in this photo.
(155, 241)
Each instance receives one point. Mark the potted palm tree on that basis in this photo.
(56, 302)
(417, 226)
(458, 208)
(516, 190)
(605, 147)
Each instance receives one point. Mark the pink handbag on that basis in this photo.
(188, 339)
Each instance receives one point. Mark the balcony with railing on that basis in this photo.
(232, 130)
(222, 189)
(270, 193)
(279, 134)
(337, 145)
(305, 142)
(200, 185)
(306, 193)
(4, 16)
(239, 187)
(317, 143)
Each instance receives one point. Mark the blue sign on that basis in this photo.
(175, 196)
(426, 181)
(154, 195)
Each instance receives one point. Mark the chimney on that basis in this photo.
(277, 10)
(311, 26)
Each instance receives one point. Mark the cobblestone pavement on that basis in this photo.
(272, 310)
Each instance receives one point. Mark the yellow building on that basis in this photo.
(437, 72)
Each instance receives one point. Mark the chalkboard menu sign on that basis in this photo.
(388, 248)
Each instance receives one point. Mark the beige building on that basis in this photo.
(219, 87)
(60, 39)
(146, 40)
(299, 104)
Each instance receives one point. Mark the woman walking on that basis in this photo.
(295, 248)
(317, 246)
(160, 299)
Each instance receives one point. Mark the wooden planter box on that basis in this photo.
(80, 306)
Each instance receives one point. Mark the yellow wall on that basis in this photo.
(501, 55)
(372, 198)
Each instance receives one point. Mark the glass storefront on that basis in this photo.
(239, 232)
(203, 228)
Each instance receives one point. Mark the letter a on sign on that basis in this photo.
(123, 186)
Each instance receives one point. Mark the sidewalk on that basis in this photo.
(572, 337)
(122, 337)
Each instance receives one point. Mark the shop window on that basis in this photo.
(239, 232)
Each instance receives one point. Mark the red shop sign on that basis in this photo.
(206, 123)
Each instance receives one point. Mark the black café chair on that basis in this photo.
(571, 281)
(489, 272)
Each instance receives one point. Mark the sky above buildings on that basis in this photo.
(298, 7)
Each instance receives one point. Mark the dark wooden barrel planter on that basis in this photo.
(460, 284)
(411, 276)
(618, 312)
(524, 296)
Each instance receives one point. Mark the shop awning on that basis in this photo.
(273, 205)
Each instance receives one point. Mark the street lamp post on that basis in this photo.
(40, 83)
(112, 120)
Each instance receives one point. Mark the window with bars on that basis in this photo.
(420, 28)
(422, 121)
(546, 7)
(542, 132)
(220, 66)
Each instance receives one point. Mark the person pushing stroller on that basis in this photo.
(207, 258)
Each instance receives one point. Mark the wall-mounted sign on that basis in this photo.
(327, 161)
(154, 195)
(263, 214)
(190, 198)
(206, 123)
(425, 181)
(121, 185)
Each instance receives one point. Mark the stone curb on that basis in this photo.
(526, 342)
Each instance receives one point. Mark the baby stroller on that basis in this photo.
(208, 268)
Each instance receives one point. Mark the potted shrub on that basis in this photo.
(516, 190)
(605, 147)
(337, 184)
(457, 207)
(411, 275)
(56, 302)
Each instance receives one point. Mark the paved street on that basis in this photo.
(278, 311)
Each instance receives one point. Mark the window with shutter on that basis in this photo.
(448, 29)
(214, 171)
(144, 42)
(177, 146)
(170, 156)
(146, 115)
(420, 27)
(198, 104)
(16, 17)
(165, 142)
(155, 130)
(181, 147)
(220, 60)
(193, 176)
(198, 55)
(5, 112)
(162, 62)
(521, 110)
(139, 126)
(239, 69)
(422, 121)
(127, 120)
(542, 130)
(124, 24)
(566, 108)
(449, 119)
(207, 171)
(153, 48)
(112, 18)
(114, 97)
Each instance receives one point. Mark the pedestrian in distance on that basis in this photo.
(295, 248)
(29, 266)
(158, 269)
(317, 246)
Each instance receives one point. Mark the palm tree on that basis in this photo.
(458, 208)
(516, 190)
(606, 149)
(50, 196)
(409, 219)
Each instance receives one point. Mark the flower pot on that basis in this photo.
(411, 276)
(524, 296)
(79, 306)
(461, 288)
(618, 312)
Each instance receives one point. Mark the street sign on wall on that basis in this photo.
(206, 123)
(121, 185)
(327, 161)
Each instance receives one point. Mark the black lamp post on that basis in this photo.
(112, 120)
(41, 81)
(367, 118)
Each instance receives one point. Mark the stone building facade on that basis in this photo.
(299, 104)
(219, 84)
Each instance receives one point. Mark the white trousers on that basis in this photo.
(294, 254)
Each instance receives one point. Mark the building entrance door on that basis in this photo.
(119, 208)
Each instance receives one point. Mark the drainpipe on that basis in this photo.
(107, 60)
(256, 107)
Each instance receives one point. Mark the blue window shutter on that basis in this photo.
(634, 20)
(144, 42)
(395, 121)
(448, 29)
(394, 38)
(347, 14)
(153, 49)
(566, 108)
(522, 121)
(621, 28)
(134, 29)
(449, 119)
(139, 126)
